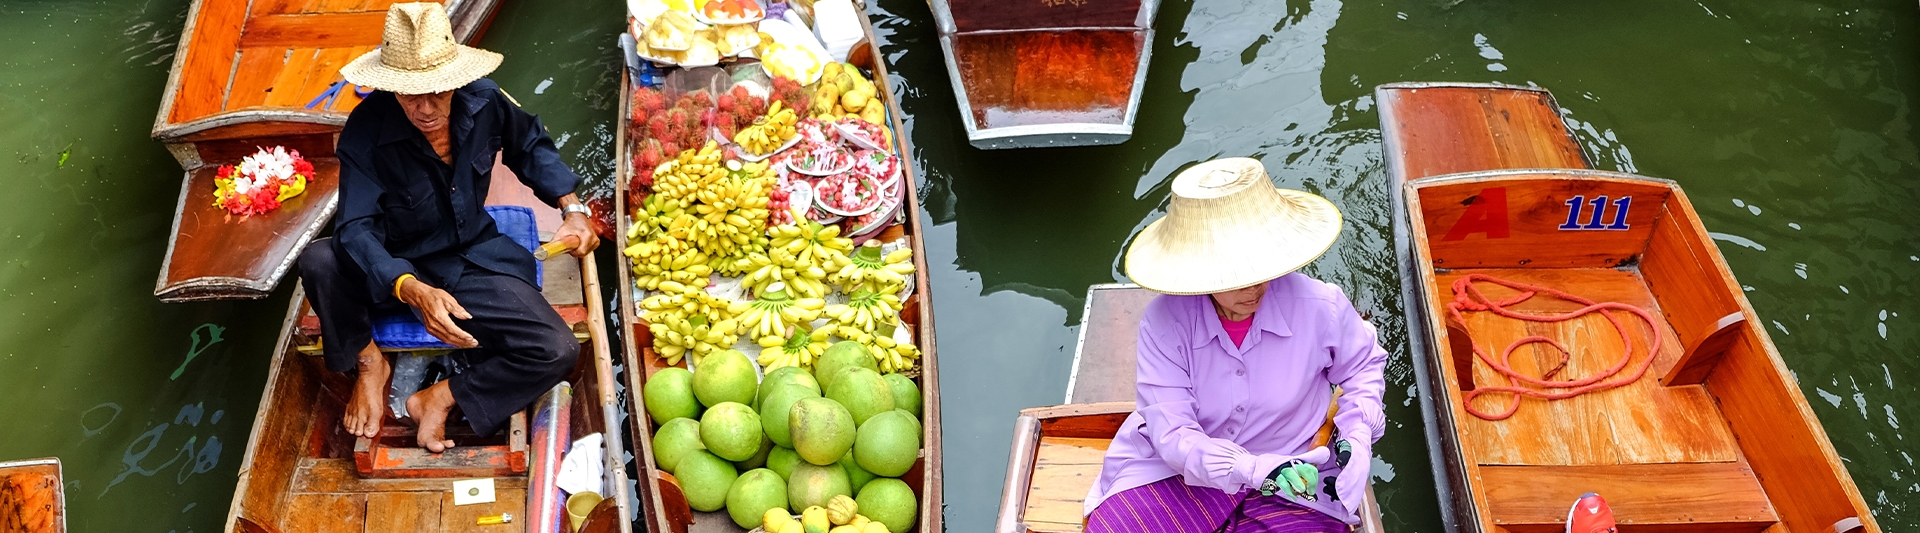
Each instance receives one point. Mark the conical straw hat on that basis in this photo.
(418, 55)
(1230, 228)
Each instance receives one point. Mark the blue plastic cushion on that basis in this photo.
(405, 332)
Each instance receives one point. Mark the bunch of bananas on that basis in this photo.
(685, 319)
(774, 312)
(703, 217)
(868, 269)
(730, 217)
(893, 356)
(799, 255)
(800, 349)
(867, 311)
(769, 132)
(657, 253)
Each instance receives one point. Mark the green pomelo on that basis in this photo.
(669, 395)
(855, 475)
(784, 376)
(759, 459)
(906, 395)
(822, 430)
(753, 494)
(675, 440)
(812, 485)
(725, 376)
(777, 409)
(862, 392)
(731, 430)
(841, 356)
(889, 501)
(781, 461)
(888, 444)
(917, 429)
(706, 478)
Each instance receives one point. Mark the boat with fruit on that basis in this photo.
(1049, 73)
(1632, 364)
(262, 74)
(302, 471)
(772, 240)
(1058, 450)
(32, 497)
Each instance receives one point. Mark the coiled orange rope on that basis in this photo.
(1467, 298)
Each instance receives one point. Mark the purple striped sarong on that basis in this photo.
(1172, 506)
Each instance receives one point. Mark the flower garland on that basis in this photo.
(261, 181)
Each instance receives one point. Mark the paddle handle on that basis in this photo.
(554, 248)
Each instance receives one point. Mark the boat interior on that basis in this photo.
(32, 497)
(1716, 436)
(1049, 70)
(303, 472)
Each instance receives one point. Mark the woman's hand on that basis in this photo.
(438, 308)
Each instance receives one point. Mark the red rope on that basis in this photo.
(1467, 298)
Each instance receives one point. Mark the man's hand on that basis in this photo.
(578, 227)
(439, 309)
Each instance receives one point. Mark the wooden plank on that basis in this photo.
(338, 475)
(1699, 359)
(1431, 130)
(200, 81)
(253, 79)
(1048, 77)
(1686, 494)
(278, 7)
(978, 15)
(315, 30)
(293, 78)
(1782, 440)
(1523, 219)
(403, 512)
(1642, 422)
(280, 433)
(1063, 471)
(1110, 334)
(464, 517)
(1680, 269)
(326, 513)
(203, 247)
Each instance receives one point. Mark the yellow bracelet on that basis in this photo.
(396, 284)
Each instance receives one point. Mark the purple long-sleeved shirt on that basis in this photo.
(1225, 416)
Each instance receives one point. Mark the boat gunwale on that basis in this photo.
(177, 132)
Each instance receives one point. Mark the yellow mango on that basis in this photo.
(814, 520)
(854, 101)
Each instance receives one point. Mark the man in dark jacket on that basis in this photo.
(416, 159)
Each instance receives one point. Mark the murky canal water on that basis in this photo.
(1790, 125)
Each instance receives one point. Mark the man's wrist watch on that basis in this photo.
(580, 208)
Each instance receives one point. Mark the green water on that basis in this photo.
(1790, 126)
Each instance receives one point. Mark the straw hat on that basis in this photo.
(418, 55)
(1230, 228)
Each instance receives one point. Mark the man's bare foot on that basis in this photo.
(367, 408)
(429, 407)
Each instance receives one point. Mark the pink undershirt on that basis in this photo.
(1237, 329)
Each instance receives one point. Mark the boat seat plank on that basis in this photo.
(1721, 496)
(326, 513)
(314, 30)
(1643, 422)
(1111, 336)
(1048, 77)
(1064, 469)
(338, 476)
(211, 245)
(403, 512)
(1443, 130)
(253, 78)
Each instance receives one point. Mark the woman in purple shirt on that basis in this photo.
(1238, 361)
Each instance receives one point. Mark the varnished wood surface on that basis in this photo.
(32, 497)
(1048, 77)
(990, 15)
(663, 506)
(217, 253)
(1436, 129)
(1517, 223)
(1108, 338)
(1722, 496)
(299, 473)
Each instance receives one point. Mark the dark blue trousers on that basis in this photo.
(525, 348)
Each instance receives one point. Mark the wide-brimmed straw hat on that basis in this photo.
(418, 55)
(1230, 228)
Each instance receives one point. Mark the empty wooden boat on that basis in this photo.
(32, 497)
(1047, 73)
(262, 74)
(303, 472)
(1058, 450)
(1714, 436)
(663, 504)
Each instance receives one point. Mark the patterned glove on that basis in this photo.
(1296, 480)
(1355, 461)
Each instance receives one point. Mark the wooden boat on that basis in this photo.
(1716, 436)
(663, 504)
(247, 75)
(303, 472)
(1048, 73)
(32, 497)
(1058, 450)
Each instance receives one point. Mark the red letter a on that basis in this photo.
(1487, 213)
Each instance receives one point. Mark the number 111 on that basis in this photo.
(1578, 203)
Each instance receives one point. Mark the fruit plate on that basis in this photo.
(701, 15)
(835, 159)
(744, 155)
(872, 223)
(859, 136)
(863, 190)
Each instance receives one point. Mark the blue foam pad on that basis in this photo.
(405, 332)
